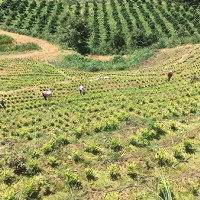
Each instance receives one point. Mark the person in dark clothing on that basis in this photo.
(169, 75)
(2, 103)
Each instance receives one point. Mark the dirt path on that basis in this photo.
(48, 50)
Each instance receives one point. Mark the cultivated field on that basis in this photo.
(133, 135)
(114, 25)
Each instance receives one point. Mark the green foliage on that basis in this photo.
(131, 171)
(104, 28)
(30, 46)
(173, 126)
(111, 196)
(76, 156)
(75, 33)
(89, 174)
(32, 167)
(91, 147)
(115, 145)
(124, 106)
(193, 188)
(8, 177)
(73, 180)
(55, 143)
(9, 195)
(35, 187)
(5, 40)
(7, 46)
(114, 172)
(77, 61)
(52, 161)
(178, 154)
(189, 147)
(164, 190)
(163, 158)
(118, 42)
(18, 163)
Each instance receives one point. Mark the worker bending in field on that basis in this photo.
(2, 103)
(169, 75)
(46, 94)
(81, 90)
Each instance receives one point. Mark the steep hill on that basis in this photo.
(114, 25)
(132, 135)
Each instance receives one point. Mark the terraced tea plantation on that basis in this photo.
(115, 25)
(133, 135)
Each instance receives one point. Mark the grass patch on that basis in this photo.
(7, 49)
(5, 40)
(118, 62)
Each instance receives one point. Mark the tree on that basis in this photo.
(75, 34)
(118, 42)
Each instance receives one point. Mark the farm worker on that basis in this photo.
(46, 94)
(81, 90)
(2, 103)
(169, 74)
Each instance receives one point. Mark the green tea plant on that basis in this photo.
(163, 158)
(189, 147)
(119, 130)
(8, 177)
(115, 145)
(131, 171)
(193, 188)
(178, 154)
(114, 172)
(89, 174)
(72, 180)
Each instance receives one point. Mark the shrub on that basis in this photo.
(62, 140)
(32, 167)
(18, 163)
(114, 172)
(163, 158)
(131, 171)
(8, 177)
(178, 154)
(35, 187)
(52, 161)
(189, 147)
(48, 147)
(5, 39)
(134, 140)
(9, 195)
(30, 46)
(173, 126)
(72, 180)
(92, 148)
(89, 174)
(115, 145)
(193, 188)
(76, 156)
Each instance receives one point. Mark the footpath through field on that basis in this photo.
(48, 51)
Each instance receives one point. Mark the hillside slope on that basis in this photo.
(114, 25)
(116, 142)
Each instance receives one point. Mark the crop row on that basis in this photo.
(153, 19)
